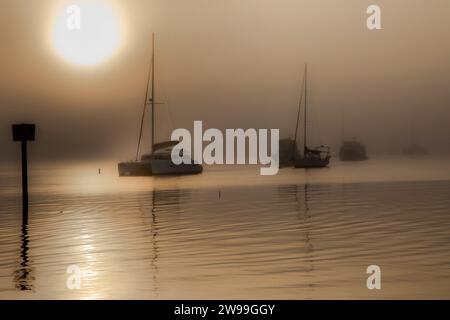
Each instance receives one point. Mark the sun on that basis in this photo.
(86, 33)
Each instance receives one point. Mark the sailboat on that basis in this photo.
(308, 157)
(415, 149)
(159, 160)
(353, 151)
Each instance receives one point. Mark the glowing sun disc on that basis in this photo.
(86, 33)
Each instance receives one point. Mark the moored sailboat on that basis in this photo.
(415, 149)
(308, 157)
(353, 151)
(159, 160)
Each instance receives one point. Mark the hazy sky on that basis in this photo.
(232, 63)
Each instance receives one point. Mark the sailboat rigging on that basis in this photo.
(159, 160)
(317, 157)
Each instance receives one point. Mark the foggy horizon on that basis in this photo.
(232, 65)
(240, 220)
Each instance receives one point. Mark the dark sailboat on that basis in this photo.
(415, 150)
(308, 157)
(352, 151)
(159, 161)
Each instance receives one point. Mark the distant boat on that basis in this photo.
(352, 151)
(308, 157)
(415, 150)
(159, 161)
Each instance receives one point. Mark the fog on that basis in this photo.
(232, 64)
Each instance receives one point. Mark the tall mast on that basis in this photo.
(306, 100)
(149, 76)
(294, 145)
(153, 90)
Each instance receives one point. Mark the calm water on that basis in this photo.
(229, 233)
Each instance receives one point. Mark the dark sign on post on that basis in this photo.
(23, 133)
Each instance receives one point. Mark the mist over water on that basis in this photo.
(233, 65)
(229, 233)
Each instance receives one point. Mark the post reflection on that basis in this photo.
(24, 274)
